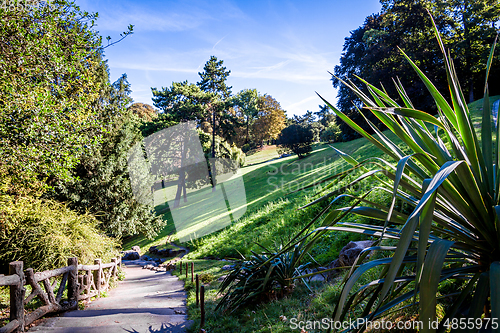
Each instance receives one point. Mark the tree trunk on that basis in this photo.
(248, 125)
(471, 91)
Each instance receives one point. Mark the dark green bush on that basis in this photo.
(297, 138)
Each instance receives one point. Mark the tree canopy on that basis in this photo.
(373, 51)
(49, 82)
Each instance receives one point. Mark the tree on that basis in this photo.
(331, 133)
(324, 115)
(372, 51)
(50, 60)
(473, 22)
(297, 138)
(308, 120)
(182, 102)
(245, 104)
(213, 81)
(270, 121)
(100, 182)
(143, 111)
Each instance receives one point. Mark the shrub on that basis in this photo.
(297, 138)
(44, 233)
(263, 277)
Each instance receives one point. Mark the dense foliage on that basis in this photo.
(297, 138)
(372, 52)
(50, 60)
(44, 233)
(64, 135)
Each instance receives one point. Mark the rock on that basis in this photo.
(136, 249)
(130, 255)
(221, 278)
(348, 255)
(350, 252)
(164, 252)
(175, 253)
(153, 249)
(149, 266)
(227, 267)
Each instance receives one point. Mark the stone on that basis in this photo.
(227, 267)
(351, 251)
(164, 252)
(153, 249)
(130, 255)
(174, 253)
(348, 255)
(136, 249)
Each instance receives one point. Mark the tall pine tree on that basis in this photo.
(213, 81)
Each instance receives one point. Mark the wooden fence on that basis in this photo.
(93, 280)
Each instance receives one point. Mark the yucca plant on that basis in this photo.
(451, 179)
(262, 277)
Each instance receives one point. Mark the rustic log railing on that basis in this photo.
(93, 280)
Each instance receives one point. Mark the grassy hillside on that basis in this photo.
(272, 214)
(272, 207)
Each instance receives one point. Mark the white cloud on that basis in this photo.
(296, 108)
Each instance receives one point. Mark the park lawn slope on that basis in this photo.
(275, 190)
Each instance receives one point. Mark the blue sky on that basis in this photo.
(282, 48)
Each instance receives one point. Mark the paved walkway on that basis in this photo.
(146, 301)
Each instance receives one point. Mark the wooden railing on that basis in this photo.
(90, 283)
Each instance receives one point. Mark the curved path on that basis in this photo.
(146, 301)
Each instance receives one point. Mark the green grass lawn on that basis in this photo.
(269, 188)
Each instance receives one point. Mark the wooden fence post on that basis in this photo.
(119, 261)
(73, 281)
(202, 307)
(192, 272)
(180, 267)
(197, 291)
(186, 272)
(17, 294)
(97, 277)
(115, 267)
